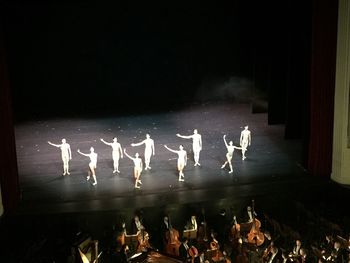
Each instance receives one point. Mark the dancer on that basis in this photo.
(196, 144)
(245, 140)
(181, 161)
(116, 153)
(230, 149)
(149, 149)
(66, 154)
(137, 167)
(92, 165)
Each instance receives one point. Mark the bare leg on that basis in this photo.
(65, 165)
(223, 166)
(137, 180)
(243, 153)
(147, 161)
(116, 165)
(196, 158)
(92, 169)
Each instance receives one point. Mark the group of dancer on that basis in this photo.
(117, 153)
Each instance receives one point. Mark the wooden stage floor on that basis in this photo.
(271, 160)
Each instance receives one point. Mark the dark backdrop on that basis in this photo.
(87, 57)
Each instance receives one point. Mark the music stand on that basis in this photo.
(190, 234)
(131, 241)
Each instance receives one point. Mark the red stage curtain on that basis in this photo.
(322, 88)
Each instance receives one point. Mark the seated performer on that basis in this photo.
(92, 165)
(137, 167)
(230, 149)
(116, 153)
(196, 144)
(66, 154)
(181, 161)
(149, 149)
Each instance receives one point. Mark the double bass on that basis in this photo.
(173, 242)
(255, 236)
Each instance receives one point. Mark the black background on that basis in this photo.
(91, 57)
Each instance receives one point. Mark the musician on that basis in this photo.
(192, 223)
(274, 256)
(183, 249)
(285, 258)
(221, 226)
(338, 254)
(123, 254)
(327, 246)
(303, 256)
(164, 228)
(250, 214)
(136, 225)
(296, 249)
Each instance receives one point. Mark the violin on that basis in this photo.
(219, 256)
(255, 236)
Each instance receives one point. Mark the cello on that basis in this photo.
(255, 236)
(235, 230)
(143, 243)
(173, 242)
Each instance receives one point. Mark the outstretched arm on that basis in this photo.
(87, 155)
(169, 149)
(127, 155)
(225, 141)
(102, 140)
(183, 136)
(235, 147)
(56, 145)
(138, 144)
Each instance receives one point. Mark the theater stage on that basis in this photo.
(271, 160)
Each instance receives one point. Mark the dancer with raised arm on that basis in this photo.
(196, 144)
(245, 141)
(92, 165)
(181, 161)
(66, 154)
(137, 167)
(117, 153)
(149, 149)
(230, 149)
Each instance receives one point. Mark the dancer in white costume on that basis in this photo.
(92, 165)
(245, 141)
(230, 149)
(66, 154)
(181, 161)
(196, 144)
(137, 167)
(117, 153)
(149, 149)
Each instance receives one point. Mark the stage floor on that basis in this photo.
(271, 160)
